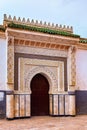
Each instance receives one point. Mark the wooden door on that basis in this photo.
(39, 96)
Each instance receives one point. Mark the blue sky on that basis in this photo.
(66, 12)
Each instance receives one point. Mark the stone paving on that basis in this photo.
(46, 123)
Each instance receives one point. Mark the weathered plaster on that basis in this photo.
(3, 64)
(81, 69)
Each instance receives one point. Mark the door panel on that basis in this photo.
(39, 96)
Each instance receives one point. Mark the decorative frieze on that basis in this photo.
(38, 44)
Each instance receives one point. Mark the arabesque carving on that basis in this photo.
(47, 73)
(72, 60)
(10, 63)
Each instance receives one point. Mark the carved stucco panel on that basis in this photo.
(72, 68)
(52, 70)
(47, 73)
(73, 65)
(10, 63)
(61, 76)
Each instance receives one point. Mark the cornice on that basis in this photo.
(2, 35)
(40, 37)
(9, 31)
(82, 46)
(36, 39)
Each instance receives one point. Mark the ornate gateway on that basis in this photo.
(41, 68)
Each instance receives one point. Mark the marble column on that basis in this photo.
(28, 105)
(72, 110)
(10, 106)
(50, 104)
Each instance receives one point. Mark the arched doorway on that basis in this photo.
(39, 96)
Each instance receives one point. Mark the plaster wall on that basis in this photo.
(3, 64)
(81, 69)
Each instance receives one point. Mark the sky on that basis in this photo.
(65, 12)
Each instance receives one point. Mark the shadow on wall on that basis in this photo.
(2, 104)
(81, 102)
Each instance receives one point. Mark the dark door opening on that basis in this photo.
(39, 96)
